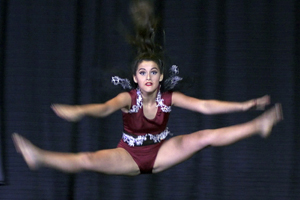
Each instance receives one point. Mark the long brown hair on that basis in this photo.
(144, 41)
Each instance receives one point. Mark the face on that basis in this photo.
(148, 76)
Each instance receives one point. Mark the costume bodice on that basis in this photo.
(134, 122)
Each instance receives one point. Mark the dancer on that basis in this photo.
(145, 109)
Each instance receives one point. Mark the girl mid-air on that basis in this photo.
(143, 147)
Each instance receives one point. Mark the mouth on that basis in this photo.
(148, 84)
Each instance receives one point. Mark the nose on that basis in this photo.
(148, 76)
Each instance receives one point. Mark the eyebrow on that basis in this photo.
(150, 69)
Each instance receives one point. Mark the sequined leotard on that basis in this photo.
(142, 137)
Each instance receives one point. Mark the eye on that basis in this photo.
(154, 72)
(142, 73)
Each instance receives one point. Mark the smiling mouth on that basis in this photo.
(148, 84)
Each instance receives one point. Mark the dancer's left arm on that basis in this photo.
(217, 106)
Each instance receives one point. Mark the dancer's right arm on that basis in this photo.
(76, 112)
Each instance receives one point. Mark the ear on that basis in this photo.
(134, 79)
(161, 77)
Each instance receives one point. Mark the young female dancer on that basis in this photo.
(145, 109)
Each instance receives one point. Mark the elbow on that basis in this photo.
(205, 109)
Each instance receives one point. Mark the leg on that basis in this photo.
(113, 161)
(180, 148)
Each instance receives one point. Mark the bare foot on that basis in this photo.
(27, 149)
(270, 118)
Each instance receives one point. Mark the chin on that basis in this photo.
(149, 89)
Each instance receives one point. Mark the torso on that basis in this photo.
(142, 119)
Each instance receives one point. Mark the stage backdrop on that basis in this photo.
(66, 52)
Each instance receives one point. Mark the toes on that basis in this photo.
(279, 113)
(271, 118)
(24, 147)
(16, 140)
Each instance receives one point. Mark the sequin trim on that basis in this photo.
(139, 140)
(124, 82)
(139, 103)
(173, 80)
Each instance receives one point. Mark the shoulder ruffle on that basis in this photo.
(173, 80)
(124, 82)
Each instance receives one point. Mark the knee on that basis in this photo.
(195, 141)
(203, 138)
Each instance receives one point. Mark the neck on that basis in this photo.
(149, 98)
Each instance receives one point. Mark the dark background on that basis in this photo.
(55, 51)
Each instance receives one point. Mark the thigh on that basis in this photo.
(179, 149)
(111, 161)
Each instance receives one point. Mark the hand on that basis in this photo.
(261, 103)
(67, 112)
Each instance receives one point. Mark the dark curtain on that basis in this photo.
(66, 52)
(2, 41)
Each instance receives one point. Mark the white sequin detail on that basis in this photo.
(124, 82)
(174, 69)
(139, 140)
(160, 102)
(139, 102)
(173, 80)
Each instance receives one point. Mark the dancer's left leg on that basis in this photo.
(182, 147)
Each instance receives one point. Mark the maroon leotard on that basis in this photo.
(135, 123)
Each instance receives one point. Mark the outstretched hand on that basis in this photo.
(261, 103)
(67, 112)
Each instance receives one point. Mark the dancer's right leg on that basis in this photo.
(112, 161)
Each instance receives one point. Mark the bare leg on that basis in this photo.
(182, 147)
(113, 161)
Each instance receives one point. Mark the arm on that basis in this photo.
(216, 106)
(76, 112)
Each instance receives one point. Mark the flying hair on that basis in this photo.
(144, 41)
(145, 27)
